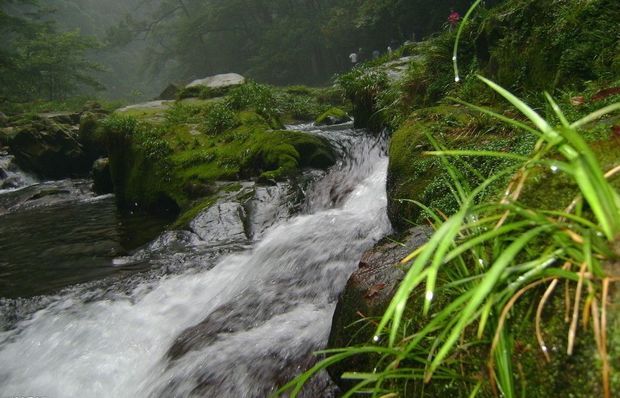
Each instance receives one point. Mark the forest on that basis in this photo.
(133, 49)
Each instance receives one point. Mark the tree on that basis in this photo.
(36, 61)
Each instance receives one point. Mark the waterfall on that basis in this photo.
(239, 327)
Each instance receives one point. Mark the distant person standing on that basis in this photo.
(389, 50)
(353, 58)
(453, 19)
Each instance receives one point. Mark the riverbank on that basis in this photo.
(426, 107)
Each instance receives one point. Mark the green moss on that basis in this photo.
(332, 113)
(153, 163)
(577, 375)
(414, 175)
(192, 212)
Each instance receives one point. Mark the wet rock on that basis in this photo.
(333, 116)
(7, 182)
(102, 179)
(49, 149)
(367, 294)
(270, 205)
(44, 194)
(195, 189)
(221, 223)
(218, 81)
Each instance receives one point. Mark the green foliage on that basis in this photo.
(39, 62)
(486, 256)
(362, 86)
(181, 112)
(219, 118)
(256, 96)
(164, 157)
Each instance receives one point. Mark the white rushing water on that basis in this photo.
(239, 329)
(11, 177)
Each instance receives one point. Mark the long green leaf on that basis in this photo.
(480, 293)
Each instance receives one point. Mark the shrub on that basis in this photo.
(218, 119)
(253, 95)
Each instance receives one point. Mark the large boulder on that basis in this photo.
(48, 149)
(368, 293)
(218, 81)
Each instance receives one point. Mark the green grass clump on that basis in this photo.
(219, 118)
(362, 86)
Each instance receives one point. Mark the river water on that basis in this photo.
(236, 319)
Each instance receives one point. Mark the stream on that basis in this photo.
(233, 307)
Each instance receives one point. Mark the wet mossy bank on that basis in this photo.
(178, 155)
(527, 47)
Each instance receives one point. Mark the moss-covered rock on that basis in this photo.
(154, 162)
(414, 175)
(48, 149)
(332, 116)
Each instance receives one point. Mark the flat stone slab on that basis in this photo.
(219, 81)
(151, 105)
(221, 223)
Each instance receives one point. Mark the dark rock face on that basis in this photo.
(102, 179)
(49, 149)
(367, 294)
